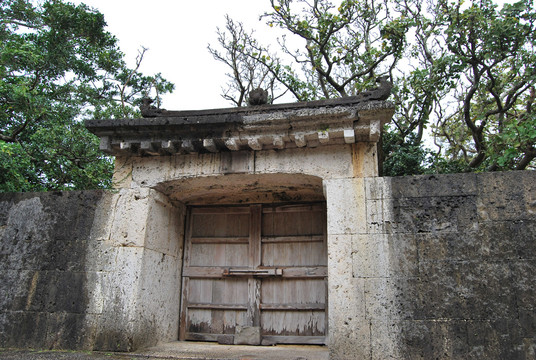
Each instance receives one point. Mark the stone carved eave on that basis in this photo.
(308, 124)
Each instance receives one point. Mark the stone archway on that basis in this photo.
(255, 269)
(244, 189)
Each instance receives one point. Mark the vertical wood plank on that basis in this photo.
(253, 316)
(185, 283)
(255, 236)
(184, 307)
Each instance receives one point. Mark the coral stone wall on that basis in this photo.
(455, 272)
(43, 284)
(430, 267)
(89, 270)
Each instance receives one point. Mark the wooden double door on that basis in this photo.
(255, 274)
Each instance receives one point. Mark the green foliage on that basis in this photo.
(463, 73)
(475, 77)
(17, 172)
(58, 66)
(403, 156)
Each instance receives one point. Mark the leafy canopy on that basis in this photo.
(58, 66)
(464, 73)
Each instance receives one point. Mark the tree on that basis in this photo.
(59, 66)
(480, 61)
(240, 54)
(463, 73)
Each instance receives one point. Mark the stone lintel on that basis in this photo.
(254, 128)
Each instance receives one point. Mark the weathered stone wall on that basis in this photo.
(135, 262)
(89, 270)
(43, 283)
(419, 267)
(449, 265)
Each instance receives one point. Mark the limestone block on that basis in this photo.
(466, 289)
(112, 297)
(95, 293)
(370, 256)
(130, 218)
(403, 254)
(437, 339)
(450, 246)
(103, 218)
(380, 216)
(157, 298)
(147, 170)
(434, 214)
(385, 343)
(349, 136)
(434, 185)
(378, 188)
(379, 296)
(165, 221)
(121, 285)
(505, 196)
(365, 159)
(65, 323)
(247, 335)
(346, 211)
(524, 273)
(349, 333)
(236, 162)
(210, 145)
(325, 161)
(122, 177)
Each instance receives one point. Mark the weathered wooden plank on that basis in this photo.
(294, 208)
(311, 340)
(305, 272)
(225, 255)
(294, 322)
(295, 238)
(293, 291)
(297, 254)
(253, 315)
(201, 336)
(203, 272)
(185, 279)
(184, 309)
(220, 240)
(214, 306)
(200, 290)
(220, 210)
(294, 306)
(293, 223)
(255, 236)
(220, 225)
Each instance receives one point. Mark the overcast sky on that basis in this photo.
(177, 33)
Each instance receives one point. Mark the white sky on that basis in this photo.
(177, 33)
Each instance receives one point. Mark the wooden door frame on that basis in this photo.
(253, 311)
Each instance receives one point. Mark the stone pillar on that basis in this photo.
(349, 330)
(363, 318)
(134, 266)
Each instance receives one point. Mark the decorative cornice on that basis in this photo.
(306, 124)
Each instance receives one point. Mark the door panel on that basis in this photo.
(255, 267)
(223, 254)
